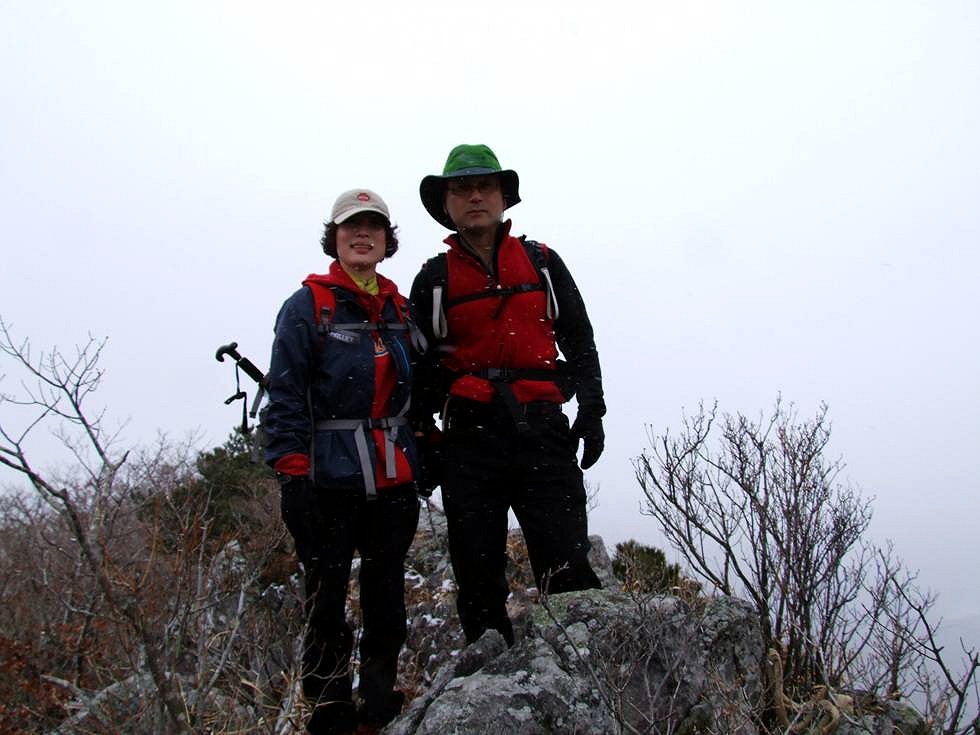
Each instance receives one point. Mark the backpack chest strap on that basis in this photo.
(500, 291)
(415, 334)
(363, 326)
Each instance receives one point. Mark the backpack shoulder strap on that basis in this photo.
(407, 323)
(401, 306)
(324, 306)
(437, 268)
(538, 253)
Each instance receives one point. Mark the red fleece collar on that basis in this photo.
(337, 276)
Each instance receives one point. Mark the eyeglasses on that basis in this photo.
(467, 185)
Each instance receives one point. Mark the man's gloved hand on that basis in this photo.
(301, 515)
(588, 428)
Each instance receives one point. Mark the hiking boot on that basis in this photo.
(336, 718)
(373, 716)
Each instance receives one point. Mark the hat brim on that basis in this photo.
(433, 191)
(348, 213)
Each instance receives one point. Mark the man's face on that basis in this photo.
(475, 203)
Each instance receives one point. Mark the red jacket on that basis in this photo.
(507, 331)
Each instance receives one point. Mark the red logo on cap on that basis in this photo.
(362, 197)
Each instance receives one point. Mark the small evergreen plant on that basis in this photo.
(644, 569)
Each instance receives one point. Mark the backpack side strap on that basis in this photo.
(538, 253)
(438, 270)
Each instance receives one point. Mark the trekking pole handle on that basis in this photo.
(244, 363)
(230, 349)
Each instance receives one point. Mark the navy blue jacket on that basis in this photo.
(335, 372)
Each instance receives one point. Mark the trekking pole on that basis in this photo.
(248, 367)
(244, 363)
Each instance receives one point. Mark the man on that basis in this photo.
(495, 311)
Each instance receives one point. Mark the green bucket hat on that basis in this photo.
(466, 160)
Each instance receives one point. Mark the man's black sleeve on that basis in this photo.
(573, 333)
(427, 393)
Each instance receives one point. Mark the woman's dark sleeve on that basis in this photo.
(287, 421)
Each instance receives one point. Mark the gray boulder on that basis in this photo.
(601, 662)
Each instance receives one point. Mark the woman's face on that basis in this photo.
(361, 241)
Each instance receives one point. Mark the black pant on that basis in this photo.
(491, 468)
(381, 530)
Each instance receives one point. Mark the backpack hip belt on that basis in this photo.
(501, 378)
(509, 375)
(360, 427)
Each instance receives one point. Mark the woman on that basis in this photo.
(338, 439)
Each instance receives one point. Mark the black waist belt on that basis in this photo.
(501, 378)
(509, 375)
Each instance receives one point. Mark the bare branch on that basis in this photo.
(756, 509)
(61, 386)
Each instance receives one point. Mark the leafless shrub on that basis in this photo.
(141, 604)
(756, 511)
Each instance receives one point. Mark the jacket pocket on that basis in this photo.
(336, 463)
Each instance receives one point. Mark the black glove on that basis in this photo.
(588, 428)
(302, 516)
(432, 463)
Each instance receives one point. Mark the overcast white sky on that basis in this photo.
(755, 198)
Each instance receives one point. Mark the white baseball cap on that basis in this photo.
(356, 201)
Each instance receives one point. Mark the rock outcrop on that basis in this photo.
(595, 662)
(600, 662)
